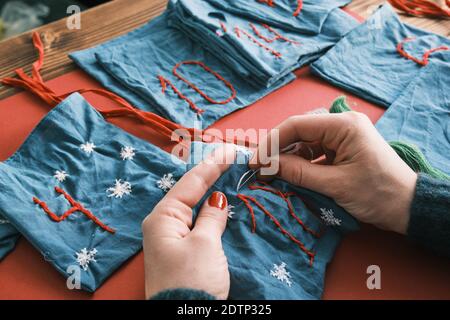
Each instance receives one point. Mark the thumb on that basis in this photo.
(301, 172)
(213, 216)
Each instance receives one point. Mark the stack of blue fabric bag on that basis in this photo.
(139, 66)
(264, 52)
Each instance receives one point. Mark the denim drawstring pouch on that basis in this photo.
(279, 238)
(379, 58)
(421, 115)
(79, 188)
(304, 16)
(267, 53)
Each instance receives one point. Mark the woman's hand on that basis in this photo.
(351, 164)
(178, 255)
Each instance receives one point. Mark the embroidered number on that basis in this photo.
(164, 82)
(76, 207)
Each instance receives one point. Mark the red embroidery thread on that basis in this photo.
(285, 197)
(425, 57)
(76, 206)
(271, 3)
(164, 82)
(238, 32)
(209, 70)
(278, 36)
(247, 199)
(223, 26)
(299, 8)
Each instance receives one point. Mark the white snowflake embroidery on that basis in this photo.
(84, 257)
(119, 189)
(3, 221)
(328, 217)
(127, 153)
(230, 211)
(280, 272)
(166, 182)
(88, 147)
(60, 175)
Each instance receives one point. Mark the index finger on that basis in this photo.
(191, 188)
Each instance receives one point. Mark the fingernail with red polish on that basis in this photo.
(218, 200)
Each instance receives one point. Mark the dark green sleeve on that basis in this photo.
(429, 223)
(183, 294)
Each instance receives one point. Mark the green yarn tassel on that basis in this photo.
(416, 160)
(409, 153)
(340, 105)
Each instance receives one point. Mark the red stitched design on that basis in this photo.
(268, 2)
(278, 36)
(76, 206)
(271, 3)
(425, 57)
(247, 199)
(223, 26)
(209, 70)
(238, 31)
(285, 196)
(299, 8)
(165, 82)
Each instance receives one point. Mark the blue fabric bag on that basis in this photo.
(421, 115)
(268, 264)
(284, 13)
(203, 91)
(75, 160)
(266, 53)
(367, 61)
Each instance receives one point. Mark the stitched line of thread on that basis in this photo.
(425, 57)
(285, 197)
(209, 70)
(223, 26)
(309, 253)
(76, 206)
(271, 3)
(299, 8)
(165, 82)
(238, 31)
(278, 36)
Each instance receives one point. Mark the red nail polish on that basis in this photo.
(218, 200)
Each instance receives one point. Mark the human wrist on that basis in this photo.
(399, 211)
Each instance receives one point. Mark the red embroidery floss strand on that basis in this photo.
(76, 206)
(425, 57)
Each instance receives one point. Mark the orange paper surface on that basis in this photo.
(407, 271)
